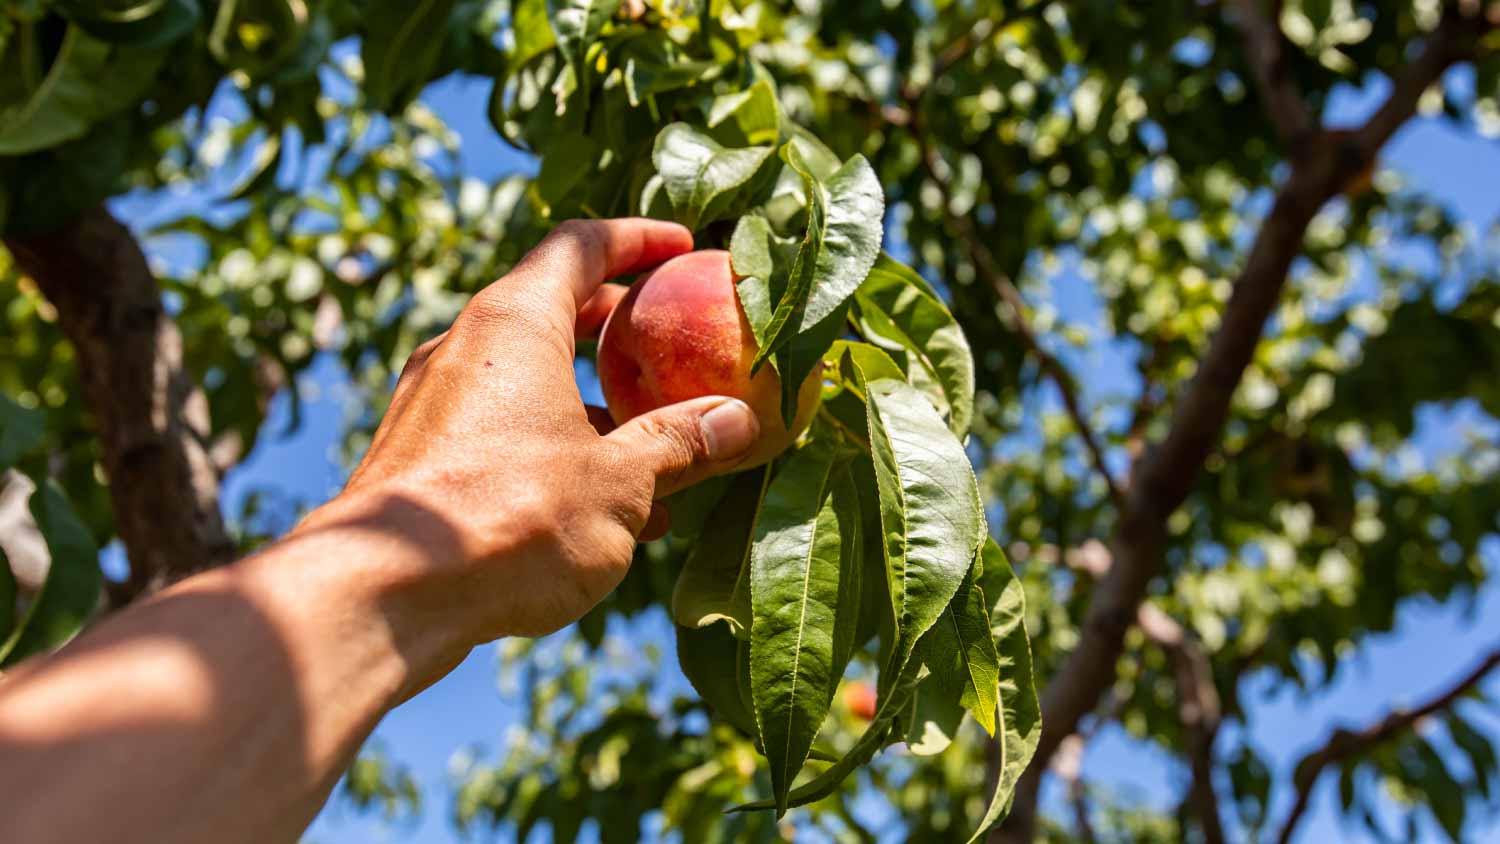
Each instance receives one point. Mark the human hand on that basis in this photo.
(524, 506)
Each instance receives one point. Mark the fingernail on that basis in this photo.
(729, 428)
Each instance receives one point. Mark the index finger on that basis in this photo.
(576, 257)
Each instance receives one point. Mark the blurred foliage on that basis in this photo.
(1117, 144)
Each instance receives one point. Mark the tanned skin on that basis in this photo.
(491, 503)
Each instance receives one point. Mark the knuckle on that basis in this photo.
(419, 357)
(680, 439)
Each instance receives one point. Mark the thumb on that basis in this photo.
(684, 443)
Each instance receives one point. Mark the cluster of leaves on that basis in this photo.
(1117, 149)
(871, 530)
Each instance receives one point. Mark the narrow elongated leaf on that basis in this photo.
(796, 360)
(873, 362)
(897, 310)
(875, 737)
(793, 300)
(20, 431)
(929, 507)
(845, 500)
(401, 46)
(844, 220)
(701, 175)
(713, 660)
(715, 581)
(805, 607)
(851, 240)
(87, 81)
(961, 654)
(1020, 723)
(71, 590)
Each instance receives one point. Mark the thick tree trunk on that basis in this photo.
(152, 420)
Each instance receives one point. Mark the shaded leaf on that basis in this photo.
(1020, 721)
(400, 48)
(21, 430)
(714, 660)
(88, 80)
(714, 584)
(804, 596)
(898, 311)
(71, 590)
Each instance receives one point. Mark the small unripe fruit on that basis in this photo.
(680, 334)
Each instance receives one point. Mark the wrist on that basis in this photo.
(379, 563)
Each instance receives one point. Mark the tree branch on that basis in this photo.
(1198, 705)
(1199, 710)
(1453, 41)
(989, 269)
(1345, 743)
(1265, 51)
(152, 419)
(1167, 472)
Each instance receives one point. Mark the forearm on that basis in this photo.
(225, 708)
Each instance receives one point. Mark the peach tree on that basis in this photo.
(1205, 467)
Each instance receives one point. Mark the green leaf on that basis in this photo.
(532, 31)
(804, 595)
(71, 591)
(400, 48)
(851, 239)
(7, 597)
(873, 362)
(700, 175)
(929, 506)
(155, 23)
(1020, 724)
(21, 430)
(935, 714)
(577, 23)
(714, 584)
(961, 655)
(714, 660)
(840, 245)
(753, 112)
(864, 749)
(750, 257)
(88, 81)
(691, 508)
(898, 311)
(759, 257)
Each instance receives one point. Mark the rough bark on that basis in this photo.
(152, 420)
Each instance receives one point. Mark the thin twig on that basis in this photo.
(989, 269)
(1344, 743)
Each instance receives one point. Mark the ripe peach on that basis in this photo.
(860, 700)
(680, 334)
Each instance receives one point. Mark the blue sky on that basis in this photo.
(1430, 645)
